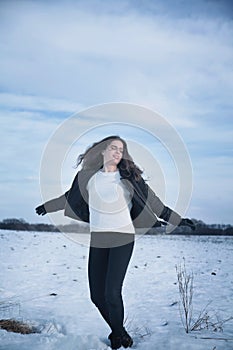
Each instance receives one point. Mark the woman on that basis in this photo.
(110, 193)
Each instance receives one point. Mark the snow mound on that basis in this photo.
(16, 341)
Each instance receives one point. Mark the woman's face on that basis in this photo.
(113, 153)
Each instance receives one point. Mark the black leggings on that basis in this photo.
(106, 271)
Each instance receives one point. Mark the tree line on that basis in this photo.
(201, 228)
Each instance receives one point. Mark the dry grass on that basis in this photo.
(16, 327)
(185, 284)
(204, 320)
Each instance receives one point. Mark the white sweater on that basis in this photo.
(109, 203)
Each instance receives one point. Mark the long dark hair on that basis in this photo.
(92, 158)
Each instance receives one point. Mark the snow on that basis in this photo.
(44, 283)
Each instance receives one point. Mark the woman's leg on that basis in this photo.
(118, 261)
(106, 271)
(97, 271)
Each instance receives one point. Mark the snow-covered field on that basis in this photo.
(35, 265)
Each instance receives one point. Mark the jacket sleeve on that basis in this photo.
(56, 204)
(162, 211)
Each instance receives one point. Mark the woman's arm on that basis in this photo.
(161, 210)
(164, 212)
(52, 205)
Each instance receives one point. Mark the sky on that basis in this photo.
(59, 58)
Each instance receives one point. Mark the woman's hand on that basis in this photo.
(41, 210)
(187, 222)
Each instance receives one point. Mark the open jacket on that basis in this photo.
(146, 206)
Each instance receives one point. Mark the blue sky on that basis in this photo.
(60, 57)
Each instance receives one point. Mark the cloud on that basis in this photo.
(12, 101)
(66, 50)
(178, 67)
(23, 135)
(213, 191)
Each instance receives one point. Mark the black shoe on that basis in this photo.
(126, 340)
(115, 341)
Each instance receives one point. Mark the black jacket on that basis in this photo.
(146, 206)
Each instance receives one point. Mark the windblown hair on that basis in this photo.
(92, 158)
